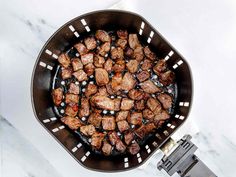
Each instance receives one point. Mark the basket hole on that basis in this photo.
(166, 58)
(140, 160)
(142, 25)
(149, 40)
(158, 136)
(140, 32)
(79, 145)
(62, 111)
(87, 28)
(83, 22)
(126, 159)
(42, 64)
(55, 130)
(175, 66)
(166, 133)
(154, 144)
(55, 56)
(71, 28)
(49, 67)
(181, 117)
(180, 62)
(48, 52)
(76, 34)
(74, 149)
(151, 34)
(126, 164)
(186, 104)
(171, 53)
(53, 118)
(46, 120)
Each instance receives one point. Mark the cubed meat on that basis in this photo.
(128, 82)
(113, 137)
(102, 36)
(99, 61)
(121, 43)
(153, 104)
(165, 100)
(106, 148)
(149, 87)
(132, 66)
(117, 53)
(80, 75)
(129, 52)
(123, 125)
(102, 91)
(167, 78)
(120, 146)
(144, 130)
(108, 123)
(72, 122)
(135, 118)
(133, 41)
(148, 114)
(129, 136)
(87, 58)
(66, 73)
(126, 104)
(90, 90)
(162, 115)
(95, 119)
(76, 64)
(87, 130)
(90, 43)
(139, 105)
(116, 81)
(57, 96)
(101, 76)
(97, 139)
(81, 48)
(134, 148)
(84, 107)
(71, 110)
(103, 102)
(89, 69)
(147, 64)
(135, 94)
(160, 67)
(104, 48)
(108, 65)
(110, 91)
(72, 98)
(64, 60)
(121, 115)
(138, 53)
(122, 34)
(143, 75)
(148, 53)
(119, 66)
(117, 102)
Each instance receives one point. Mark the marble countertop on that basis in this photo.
(202, 31)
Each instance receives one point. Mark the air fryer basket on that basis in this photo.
(46, 66)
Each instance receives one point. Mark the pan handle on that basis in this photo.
(181, 159)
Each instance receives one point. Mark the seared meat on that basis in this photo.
(119, 66)
(113, 137)
(110, 91)
(80, 75)
(81, 48)
(116, 81)
(149, 87)
(148, 114)
(133, 41)
(117, 53)
(126, 104)
(102, 36)
(162, 115)
(128, 82)
(102, 91)
(103, 102)
(76, 64)
(121, 43)
(132, 66)
(138, 53)
(95, 119)
(64, 60)
(160, 67)
(122, 34)
(108, 65)
(167, 78)
(99, 61)
(148, 53)
(90, 90)
(135, 118)
(89, 69)
(123, 125)
(120, 146)
(72, 122)
(71, 110)
(87, 58)
(106, 148)
(96, 140)
(90, 43)
(165, 100)
(72, 98)
(143, 75)
(135, 94)
(147, 64)
(129, 52)
(134, 148)
(121, 115)
(108, 123)
(117, 102)
(129, 136)
(84, 107)
(144, 130)
(104, 48)
(87, 130)
(66, 73)
(101, 76)
(153, 104)
(139, 105)
(57, 96)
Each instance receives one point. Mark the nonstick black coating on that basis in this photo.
(46, 67)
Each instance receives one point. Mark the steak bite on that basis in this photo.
(123, 125)
(138, 53)
(160, 67)
(117, 53)
(99, 61)
(135, 94)
(128, 82)
(71, 110)
(72, 122)
(81, 48)
(117, 102)
(148, 53)
(121, 115)
(129, 136)
(120, 146)
(148, 114)
(101, 76)
(143, 75)
(135, 118)
(122, 34)
(84, 107)
(126, 104)
(64, 60)
(129, 52)
(66, 73)
(90, 90)
(144, 130)
(139, 105)
(102, 36)
(121, 43)
(103, 102)
(72, 98)
(95, 119)
(89, 69)
(165, 100)
(96, 140)
(57, 96)
(132, 66)
(149, 87)
(167, 78)
(87, 130)
(108, 123)
(108, 65)
(76, 64)
(147, 64)
(153, 104)
(134, 148)
(90, 43)
(133, 41)
(106, 148)
(119, 66)
(113, 137)
(80, 75)
(116, 81)
(104, 48)
(87, 58)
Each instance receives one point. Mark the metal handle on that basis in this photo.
(181, 159)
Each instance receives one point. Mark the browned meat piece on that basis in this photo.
(72, 98)
(89, 69)
(135, 94)
(122, 34)
(81, 48)
(84, 107)
(90, 90)
(148, 114)
(121, 43)
(149, 87)
(133, 41)
(102, 91)
(76, 64)
(121, 115)
(72, 122)
(119, 66)
(132, 66)
(96, 140)
(139, 105)
(129, 136)
(103, 102)
(117, 102)
(99, 61)
(153, 104)
(162, 115)
(165, 100)
(120, 146)
(113, 137)
(102, 36)
(138, 53)
(104, 48)
(90, 43)
(135, 118)
(144, 130)
(167, 77)
(149, 127)
(143, 75)
(108, 65)
(117, 53)
(126, 104)
(159, 123)
(71, 110)
(134, 148)
(160, 67)
(57, 96)
(129, 52)
(87, 58)
(66, 73)
(108, 123)
(128, 82)
(116, 81)
(87, 130)
(106, 148)
(110, 91)
(64, 60)
(101, 76)
(149, 54)
(147, 64)
(80, 75)
(123, 125)
(95, 119)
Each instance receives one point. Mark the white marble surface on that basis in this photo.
(202, 31)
